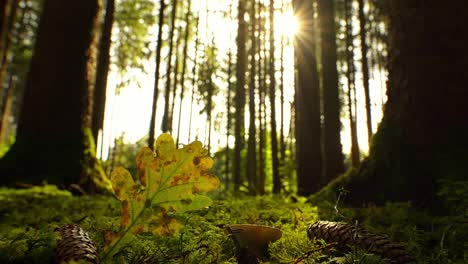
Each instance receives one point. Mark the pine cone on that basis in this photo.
(347, 235)
(75, 244)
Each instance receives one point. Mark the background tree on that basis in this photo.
(277, 184)
(421, 139)
(99, 97)
(351, 77)
(307, 102)
(239, 98)
(56, 114)
(252, 141)
(365, 66)
(151, 134)
(166, 122)
(333, 156)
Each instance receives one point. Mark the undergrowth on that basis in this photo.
(29, 217)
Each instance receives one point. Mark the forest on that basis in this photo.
(243, 131)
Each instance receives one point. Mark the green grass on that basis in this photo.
(28, 218)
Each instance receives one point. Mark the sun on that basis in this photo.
(286, 24)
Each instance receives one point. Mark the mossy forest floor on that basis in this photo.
(28, 218)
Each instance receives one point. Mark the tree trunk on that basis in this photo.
(166, 124)
(282, 144)
(350, 75)
(176, 78)
(333, 155)
(307, 103)
(5, 39)
(261, 65)
(194, 76)
(240, 94)
(99, 103)
(152, 127)
(5, 15)
(277, 184)
(184, 65)
(5, 113)
(56, 114)
(422, 137)
(228, 117)
(252, 142)
(365, 67)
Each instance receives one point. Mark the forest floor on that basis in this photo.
(29, 218)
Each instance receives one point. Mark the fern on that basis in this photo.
(170, 181)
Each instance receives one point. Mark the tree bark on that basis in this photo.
(54, 142)
(333, 156)
(307, 103)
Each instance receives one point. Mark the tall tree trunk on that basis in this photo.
(228, 117)
(277, 184)
(240, 94)
(194, 76)
(282, 144)
(422, 137)
(176, 78)
(307, 102)
(184, 65)
(99, 103)
(365, 67)
(56, 113)
(350, 75)
(166, 124)
(333, 155)
(261, 65)
(252, 142)
(152, 126)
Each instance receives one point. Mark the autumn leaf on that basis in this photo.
(171, 180)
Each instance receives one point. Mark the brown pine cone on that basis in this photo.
(347, 235)
(75, 244)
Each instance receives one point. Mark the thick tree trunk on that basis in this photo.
(152, 126)
(54, 142)
(333, 155)
(240, 94)
(99, 103)
(307, 103)
(422, 137)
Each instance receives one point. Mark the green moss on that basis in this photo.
(93, 177)
(28, 218)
